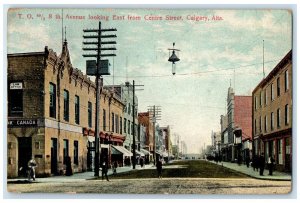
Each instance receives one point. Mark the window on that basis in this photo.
(255, 103)
(90, 110)
(129, 108)
(66, 151)
(77, 104)
(272, 92)
(278, 87)
(261, 98)
(272, 121)
(76, 152)
(121, 127)
(125, 122)
(279, 151)
(128, 132)
(66, 105)
(104, 120)
(112, 122)
(132, 128)
(266, 123)
(266, 97)
(255, 129)
(117, 123)
(286, 80)
(52, 107)
(286, 114)
(260, 124)
(15, 99)
(278, 118)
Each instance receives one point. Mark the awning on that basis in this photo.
(91, 138)
(138, 153)
(165, 154)
(115, 151)
(145, 152)
(123, 150)
(159, 152)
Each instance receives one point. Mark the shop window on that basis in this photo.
(65, 151)
(76, 152)
(279, 151)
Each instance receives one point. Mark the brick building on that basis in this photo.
(145, 120)
(239, 129)
(51, 114)
(272, 115)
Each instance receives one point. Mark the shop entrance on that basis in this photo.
(24, 153)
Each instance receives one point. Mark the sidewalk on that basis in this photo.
(255, 174)
(80, 176)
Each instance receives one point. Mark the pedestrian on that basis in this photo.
(270, 165)
(31, 169)
(261, 164)
(247, 161)
(255, 163)
(115, 165)
(159, 168)
(104, 170)
(69, 170)
(142, 162)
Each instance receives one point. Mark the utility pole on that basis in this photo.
(97, 68)
(133, 118)
(155, 111)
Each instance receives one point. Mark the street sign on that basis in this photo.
(91, 67)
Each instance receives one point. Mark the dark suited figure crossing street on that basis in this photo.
(261, 164)
(104, 170)
(270, 165)
(159, 168)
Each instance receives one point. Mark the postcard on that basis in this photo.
(149, 101)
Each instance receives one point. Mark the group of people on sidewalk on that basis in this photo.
(258, 162)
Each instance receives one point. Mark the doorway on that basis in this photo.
(53, 155)
(24, 153)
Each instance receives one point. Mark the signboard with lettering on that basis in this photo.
(16, 86)
(22, 123)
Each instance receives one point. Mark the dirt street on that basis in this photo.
(158, 186)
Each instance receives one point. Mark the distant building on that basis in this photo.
(147, 142)
(239, 120)
(272, 115)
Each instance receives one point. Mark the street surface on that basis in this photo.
(157, 186)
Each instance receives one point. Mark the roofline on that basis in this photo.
(25, 54)
(275, 70)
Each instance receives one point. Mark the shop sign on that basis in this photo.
(16, 86)
(22, 123)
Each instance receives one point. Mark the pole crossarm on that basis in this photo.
(97, 36)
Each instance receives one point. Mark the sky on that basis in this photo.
(214, 54)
